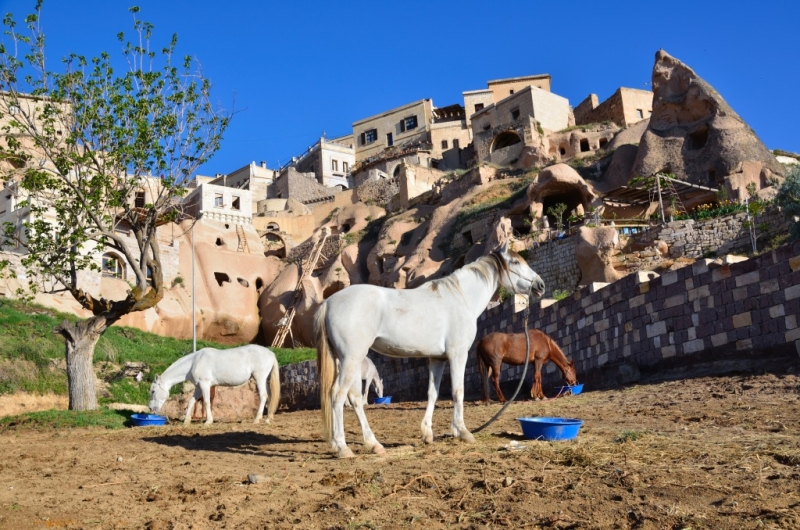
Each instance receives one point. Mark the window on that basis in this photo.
(235, 204)
(218, 202)
(444, 144)
(334, 165)
(112, 266)
(345, 167)
(13, 109)
(639, 113)
(478, 106)
(514, 114)
(367, 137)
(511, 91)
(389, 139)
(138, 202)
(455, 144)
(649, 113)
(410, 123)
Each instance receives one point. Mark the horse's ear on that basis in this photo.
(503, 248)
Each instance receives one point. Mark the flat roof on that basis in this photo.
(523, 78)
(392, 111)
(481, 91)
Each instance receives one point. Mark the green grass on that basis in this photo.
(59, 419)
(30, 353)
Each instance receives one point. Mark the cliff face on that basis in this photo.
(696, 135)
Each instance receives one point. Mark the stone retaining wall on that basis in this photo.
(633, 328)
(555, 262)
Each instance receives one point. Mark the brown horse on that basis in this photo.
(497, 348)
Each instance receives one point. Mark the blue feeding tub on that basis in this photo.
(565, 390)
(550, 429)
(385, 400)
(147, 420)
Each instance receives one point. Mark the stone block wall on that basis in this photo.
(722, 235)
(630, 329)
(555, 262)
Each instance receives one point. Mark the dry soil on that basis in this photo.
(709, 452)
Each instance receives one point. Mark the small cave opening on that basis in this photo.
(584, 145)
(243, 282)
(259, 284)
(344, 228)
(603, 142)
(572, 198)
(221, 278)
(505, 139)
(332, 289)
(227, 226)
(274, 245)
(562, 150)
(467, 234)
(219, 242)
(697, 139)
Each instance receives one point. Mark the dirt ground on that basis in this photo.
(709, 452)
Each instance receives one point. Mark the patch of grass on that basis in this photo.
(30, 353)
(60, 419)
(560, 294)
(628, 436)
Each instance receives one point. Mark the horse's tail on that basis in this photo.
(483, 371)
(326, 368)
(274, 389)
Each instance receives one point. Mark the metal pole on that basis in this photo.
(194, 317)
(660, 202)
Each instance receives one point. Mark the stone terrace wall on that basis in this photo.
(630, 329)
(555, 262)
(720, 235)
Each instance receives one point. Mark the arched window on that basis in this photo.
(113, 266)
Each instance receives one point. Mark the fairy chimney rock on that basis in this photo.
(696, 135)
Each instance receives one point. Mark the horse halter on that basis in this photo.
(509, 272)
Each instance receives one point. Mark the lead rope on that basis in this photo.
(524, 370)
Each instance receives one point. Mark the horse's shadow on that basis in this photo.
(247, 442)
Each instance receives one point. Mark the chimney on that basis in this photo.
(263, 164)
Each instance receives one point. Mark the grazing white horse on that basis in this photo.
(370, 376)
(437, 320)
(210, 367)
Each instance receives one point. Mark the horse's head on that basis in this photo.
(570, 375)
(518, 276)
(158, 395)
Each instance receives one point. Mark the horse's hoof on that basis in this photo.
(428, 438)
(345, 452)
(378, 449)
(467, 437)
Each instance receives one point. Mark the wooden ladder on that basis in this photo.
(243, 246)
(285, 323)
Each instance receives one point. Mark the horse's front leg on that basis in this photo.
(348, 378)
(435, 370)
(458, 364)
(536, 390)
(206, 389)
(187, 420)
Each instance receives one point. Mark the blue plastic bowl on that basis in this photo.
(385, 400)
(575, 389)
(550, 429)
(147, 420)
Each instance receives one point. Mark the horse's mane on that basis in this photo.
(483, 267)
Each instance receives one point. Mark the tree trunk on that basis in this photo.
(81, 339)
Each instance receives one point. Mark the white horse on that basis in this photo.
(370, 376)
(210, 367)
(437, 320)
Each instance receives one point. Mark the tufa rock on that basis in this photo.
(696, 135)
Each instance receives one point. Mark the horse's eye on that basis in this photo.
(514, 262)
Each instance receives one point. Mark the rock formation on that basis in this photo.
(559, 184)
(696, 135)
(593, 251)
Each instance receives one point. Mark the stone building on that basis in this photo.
(404, 125)
(624, 107)
(303, 187)
(330, 161)
(498, 89)
(255, 178)
(224, 204)
(501, 130)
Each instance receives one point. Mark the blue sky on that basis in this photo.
(298, 69)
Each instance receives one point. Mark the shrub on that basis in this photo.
(788, 198)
